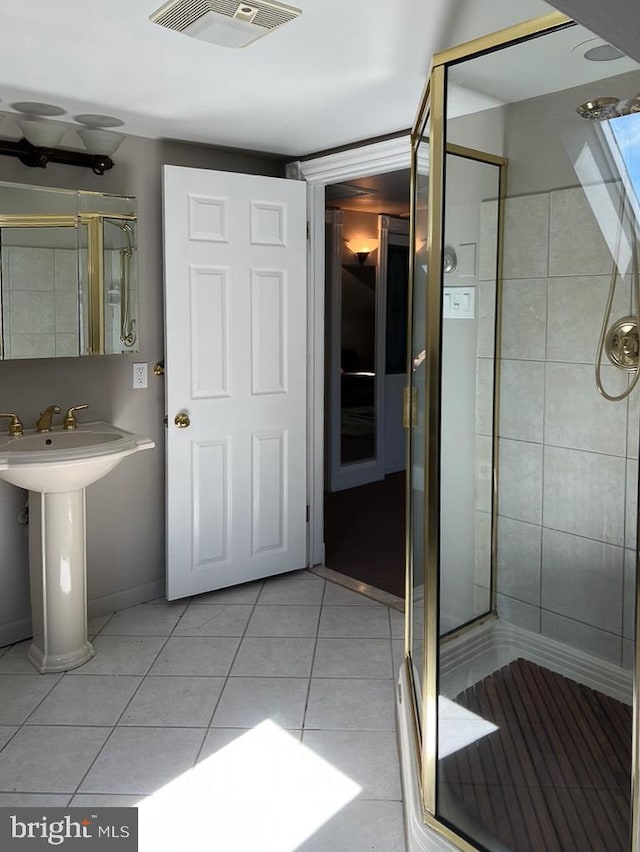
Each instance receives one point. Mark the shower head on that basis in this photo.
(599, 109)
(631, 106)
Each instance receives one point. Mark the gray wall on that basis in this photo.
(125, 511)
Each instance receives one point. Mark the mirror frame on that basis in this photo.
(95, 263)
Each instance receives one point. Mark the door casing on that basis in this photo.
(376, 158)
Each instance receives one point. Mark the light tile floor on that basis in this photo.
(268, 702)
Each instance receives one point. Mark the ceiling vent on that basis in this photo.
(224, 22)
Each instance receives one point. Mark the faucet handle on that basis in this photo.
(69, 421)
(15, 425)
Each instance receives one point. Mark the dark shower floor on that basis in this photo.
(554, 777)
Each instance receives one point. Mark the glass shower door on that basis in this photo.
(468, 374)
(528, 713)
(415, 405)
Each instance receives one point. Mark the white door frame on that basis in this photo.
(373, 159)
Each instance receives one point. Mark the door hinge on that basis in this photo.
(308, 230)
(308, 516)
(165, 420)
(409, 411)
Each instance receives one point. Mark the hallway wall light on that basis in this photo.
(362, 247)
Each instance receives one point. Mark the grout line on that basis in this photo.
(91, 765)
(560, 447)
(13, 735)
(228, 675)
(205, 729)
(44, 697)
(99, 631)
(114, 727)
(544, 427)
(393, 662)
(313, 660)
(565, 532)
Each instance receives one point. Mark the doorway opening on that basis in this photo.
(366, 281)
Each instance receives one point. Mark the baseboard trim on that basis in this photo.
(395, 467)
(125, 598)
(15, 631)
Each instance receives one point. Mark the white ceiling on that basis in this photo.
(532, 69)
(345, 70)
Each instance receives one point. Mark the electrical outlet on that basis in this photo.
(139, 376)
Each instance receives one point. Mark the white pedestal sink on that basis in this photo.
(56, 467)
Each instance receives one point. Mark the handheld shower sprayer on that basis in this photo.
(127, 324)
(622, 341)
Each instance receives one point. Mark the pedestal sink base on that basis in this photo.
(57, 569)
(56, 467)
(59, 662)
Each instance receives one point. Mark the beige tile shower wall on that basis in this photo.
(567, 460)
(40, 292)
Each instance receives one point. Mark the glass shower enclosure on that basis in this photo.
(521, 662)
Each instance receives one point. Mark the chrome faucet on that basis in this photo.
(46, 416)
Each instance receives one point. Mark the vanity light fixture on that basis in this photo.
(99, 141)
(41, 137)
(38, 156)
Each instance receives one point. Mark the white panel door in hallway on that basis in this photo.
(235, 319)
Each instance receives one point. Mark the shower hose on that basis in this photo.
(607, 313)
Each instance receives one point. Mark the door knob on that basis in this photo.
(182, 420)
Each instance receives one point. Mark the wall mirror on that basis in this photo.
(68, 283)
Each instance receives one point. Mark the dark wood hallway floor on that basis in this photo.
(365, 535)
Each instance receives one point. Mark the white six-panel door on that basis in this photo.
(235, 354)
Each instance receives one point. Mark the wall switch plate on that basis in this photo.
(459, 303)
(139, 376)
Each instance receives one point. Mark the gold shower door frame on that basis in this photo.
(430, 125)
